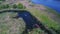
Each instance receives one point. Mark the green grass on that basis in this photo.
(5, 25)
(49, 22)
(46, 20)
(37, 31)
(4, 28)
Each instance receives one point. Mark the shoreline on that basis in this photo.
(42, 13)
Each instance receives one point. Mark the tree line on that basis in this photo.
(14, 6)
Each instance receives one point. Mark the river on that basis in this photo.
(29, 20)
(32, 22)
(54, 4)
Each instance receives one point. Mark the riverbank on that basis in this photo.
(44, 15)
(29, 21)
(40, 11)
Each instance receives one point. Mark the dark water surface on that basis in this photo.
(54, 4)
(30, 21)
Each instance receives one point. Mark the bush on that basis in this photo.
(4, 6)
(0, 7)
(14, 6)
(7, 6)
(20, 6)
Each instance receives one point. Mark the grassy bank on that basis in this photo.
(46, 20)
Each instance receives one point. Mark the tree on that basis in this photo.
(2, 0)
(5, 6)
(14, 6)
(0, 7)
(20, 6)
